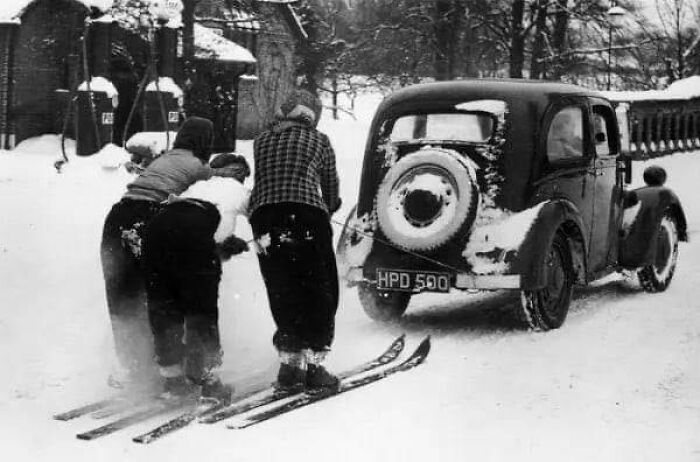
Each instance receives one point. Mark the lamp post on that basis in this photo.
(614, 14)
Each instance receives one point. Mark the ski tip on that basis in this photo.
(424, 346)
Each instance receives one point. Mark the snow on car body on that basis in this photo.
(501, 184)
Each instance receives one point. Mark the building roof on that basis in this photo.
(210, 45)
(248, 14)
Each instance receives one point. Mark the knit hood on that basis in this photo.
(196, 135)
(300, 106)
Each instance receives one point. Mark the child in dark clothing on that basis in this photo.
(120, 249)
(183, 246)
(294, 196)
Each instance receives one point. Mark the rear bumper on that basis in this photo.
(461, 280)
(495, 281)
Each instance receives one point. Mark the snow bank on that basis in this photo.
(44, 145)
(42, 154)
(150, 144)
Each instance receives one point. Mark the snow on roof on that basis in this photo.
(99, 84)
(210, 45)
(679, 90)
(10, 10)
(689, 87)
(166, 85)
(492, 106)
(650, 95)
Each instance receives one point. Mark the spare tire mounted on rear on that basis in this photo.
(425, 199)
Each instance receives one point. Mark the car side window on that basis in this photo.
(565, 136)
(600, 135)
(604, 131)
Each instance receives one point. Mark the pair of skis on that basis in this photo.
(211, 411)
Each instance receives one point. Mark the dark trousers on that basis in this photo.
(124, 281)
(183, 272)
(300, 274)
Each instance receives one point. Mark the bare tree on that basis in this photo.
(540, 39)
(679, 29)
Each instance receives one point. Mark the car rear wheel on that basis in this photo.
(546, 308)
(383, 305)
(657, 276)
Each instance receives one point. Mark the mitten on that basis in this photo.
(232, 245)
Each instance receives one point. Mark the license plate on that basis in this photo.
(412, 281)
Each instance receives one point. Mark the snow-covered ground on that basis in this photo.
(619, 381)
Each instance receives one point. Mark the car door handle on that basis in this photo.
(595, 172)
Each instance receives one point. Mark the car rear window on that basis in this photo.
(464, 127)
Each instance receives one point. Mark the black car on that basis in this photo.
(502, 184)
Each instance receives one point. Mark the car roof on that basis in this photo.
(537, 91)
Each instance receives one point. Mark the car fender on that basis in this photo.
(637, 243)
(556, 215)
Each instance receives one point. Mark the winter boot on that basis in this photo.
(292, 372)
(175, 384)
(213, 387)
(317, 377)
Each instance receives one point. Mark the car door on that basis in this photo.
(569, 158)
(606, 205)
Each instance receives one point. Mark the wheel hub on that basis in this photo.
(422, 207)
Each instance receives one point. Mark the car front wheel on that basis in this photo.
(382, 305)
(657, 276)
(546, 308)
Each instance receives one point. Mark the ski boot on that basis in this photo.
(212, 387)
(317, 377)
(292, 372)
(175, 384)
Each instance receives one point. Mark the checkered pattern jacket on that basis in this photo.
(294, 163)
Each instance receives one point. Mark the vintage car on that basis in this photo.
(502, 184)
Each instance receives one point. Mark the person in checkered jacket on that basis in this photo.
(294, 195)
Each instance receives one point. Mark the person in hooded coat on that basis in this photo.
(295, 192)
(120, 248)
(184, 245)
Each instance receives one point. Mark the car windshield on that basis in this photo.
(458, 127)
